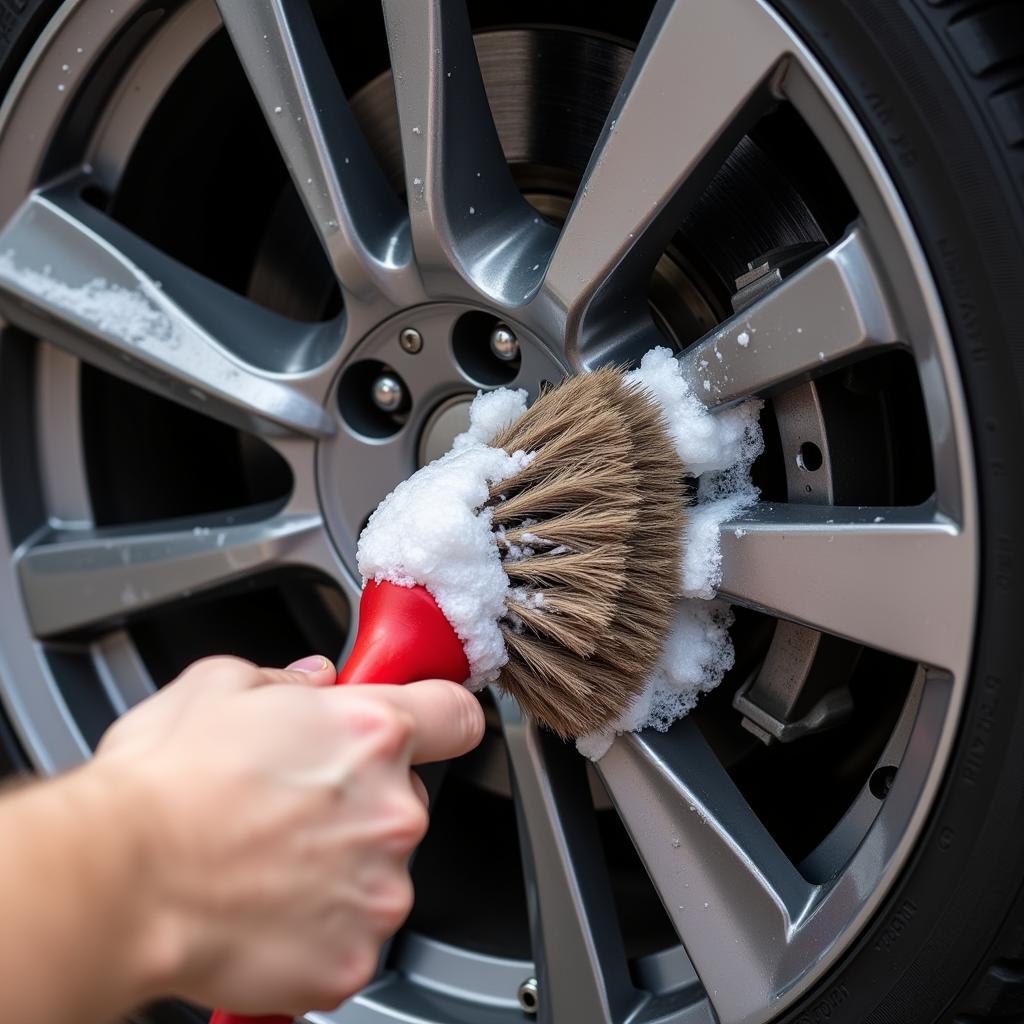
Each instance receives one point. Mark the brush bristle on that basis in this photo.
(590, 535)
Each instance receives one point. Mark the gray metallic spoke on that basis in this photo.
(74, 277)
(357, 216)
(700, 77)
(90, 579)
(878, 576)
(471, 228)
(577, 945)
(731, 893)
(833, 311)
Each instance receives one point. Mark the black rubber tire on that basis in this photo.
(939, 87)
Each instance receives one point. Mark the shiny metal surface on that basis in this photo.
(387, 393)
(504, 343)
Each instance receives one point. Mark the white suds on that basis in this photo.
(696, 657)
(705, 441)
(743, 339)
(489, 414)
(430, 530)
(128, 314)
(718, 448)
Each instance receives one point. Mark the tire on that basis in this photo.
(940, 88)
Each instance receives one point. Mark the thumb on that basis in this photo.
(315, 670)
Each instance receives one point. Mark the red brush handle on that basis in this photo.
(403, 636)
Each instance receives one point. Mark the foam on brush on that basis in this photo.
(527, 545)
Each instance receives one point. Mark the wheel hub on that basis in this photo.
(398, 404)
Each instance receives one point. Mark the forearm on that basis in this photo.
(77, 929)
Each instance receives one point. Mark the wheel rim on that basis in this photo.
(757, 931)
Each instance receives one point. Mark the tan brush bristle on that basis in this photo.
(590, 535)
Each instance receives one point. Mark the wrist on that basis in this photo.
(144, 926)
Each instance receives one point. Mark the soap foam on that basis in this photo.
(128, 314)
(718, 448)
(431, 530)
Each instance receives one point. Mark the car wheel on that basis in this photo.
(256, 256)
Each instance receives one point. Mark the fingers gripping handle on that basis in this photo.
(403, 636)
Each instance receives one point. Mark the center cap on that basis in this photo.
(446, 422)
(402, 396)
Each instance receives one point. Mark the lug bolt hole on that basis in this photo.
(373, 399)
(809, 457)
(486, 349)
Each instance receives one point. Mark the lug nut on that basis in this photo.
(388, 393)
(529, 996)
(411, 340)
(504, 344)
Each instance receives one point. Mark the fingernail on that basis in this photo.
(314, 663)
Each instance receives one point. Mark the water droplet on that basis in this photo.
(60, 88)
(78, 49)
(676, 843)
(706, 905)
(417, 181)
(347, 160)
(611, 127)
(472, 210)
(65, 67)
(417, 130)
(277, 110)
(309, 181)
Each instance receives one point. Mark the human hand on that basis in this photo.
(274, 815)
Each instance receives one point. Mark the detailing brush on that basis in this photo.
(590, 534)
(588, 531)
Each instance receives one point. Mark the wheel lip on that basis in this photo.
(963, 507)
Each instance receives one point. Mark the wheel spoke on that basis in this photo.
(884, 577)
(699, 79)
(89, 579)
(731, 893)
(831, 312)
(357, 216)
(471, 227)
(577, 945)
(71, 275)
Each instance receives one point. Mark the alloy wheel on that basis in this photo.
(487, 241)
